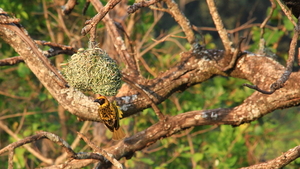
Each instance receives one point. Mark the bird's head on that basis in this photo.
(101, 100)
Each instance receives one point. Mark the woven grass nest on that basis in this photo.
(93, 70)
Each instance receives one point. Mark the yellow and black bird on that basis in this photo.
(110, 115)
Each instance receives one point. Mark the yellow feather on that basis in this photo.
(110, 115)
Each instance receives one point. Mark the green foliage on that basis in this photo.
(274, 36)
(201, 147)
(23, 70)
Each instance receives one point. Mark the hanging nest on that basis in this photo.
(93, 70)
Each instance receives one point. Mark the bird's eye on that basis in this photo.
(101, 101)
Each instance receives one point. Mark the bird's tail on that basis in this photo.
(118, 134)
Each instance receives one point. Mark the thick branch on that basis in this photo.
(71, 99)
(192, 69)
(171, 125)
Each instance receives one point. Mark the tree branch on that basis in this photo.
(174, 124)
(141, 4)
(182, 21)
(69, 6)
(219, 25)
(71, 99)
(115, 162)
(20, 142)
(131, 66)
(191, 70)
(280, 161)
(97, 18)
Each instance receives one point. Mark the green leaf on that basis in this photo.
(147, 161)
(23, 70)
(288, 24)
(231, 161)
(198, 157)
(19, 158)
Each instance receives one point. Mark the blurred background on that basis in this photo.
(27, 107)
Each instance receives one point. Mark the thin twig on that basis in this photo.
(22, 142)
(289, 68)
(118, 41)
(237, 52)
(56, 45)
(102, 152)
(262, 26)
(26, 114)
(13, 96)
(240, 28)
(21, 121)
(147, 95)
(141, 4)
(69, 6)
(92, 40)
(47, 20)
(280, 161)
(55, 49)
(97, 18)
(287, 12)
(86, 5)
(219, 25)
(84, 129)
(182, 21)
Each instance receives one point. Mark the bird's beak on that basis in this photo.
(97, 100)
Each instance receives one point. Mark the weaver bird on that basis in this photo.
(110, 115)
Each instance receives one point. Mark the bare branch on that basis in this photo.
(102, 152)
(39, 136)
(280, 161)
(146, 94)
(236, 54)
(69, 6)
(131, 66)
(55, 49)
(22, 142)
(141, 4)
(191, 70)
(167, 127)
(263, 25)
(219, 25)
(75, 143)
(96, 19)
(287, 12)
(11, 61)
(46, 73)
(182, 21)
(22, 34)
(289, 68)
(86, 5)
(11, 159)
